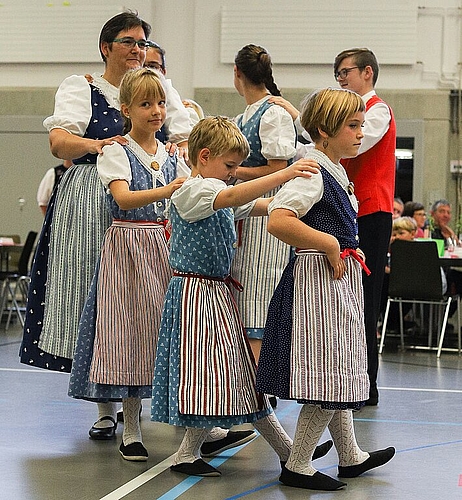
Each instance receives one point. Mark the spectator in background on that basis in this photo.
(416, 210)
(49, 182)
(398, 207)
(441, 216)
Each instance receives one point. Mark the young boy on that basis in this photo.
(205, 371)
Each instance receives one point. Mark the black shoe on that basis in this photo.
(103, 433)
(376, 459)
(322, 449)
(134, 452)
(232, 439)
(120, 415)
(319, 451)
(318, 481)
(372, 401)
(197, 468)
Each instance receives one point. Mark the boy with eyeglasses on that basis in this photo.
(373, 174)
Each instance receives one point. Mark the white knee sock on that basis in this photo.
(105, 410)
(132, 430)
(273, 432)
(342, 431)
(189, 450)
(312, 422)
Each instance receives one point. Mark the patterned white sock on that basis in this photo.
(273, 432)
(189, 450)
(106, 410)
(132, 430)
(342, 431)
(216, 433)
(312, 422)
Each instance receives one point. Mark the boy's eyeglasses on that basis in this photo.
(343, 73)
(129, 43)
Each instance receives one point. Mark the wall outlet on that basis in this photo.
(455, 166)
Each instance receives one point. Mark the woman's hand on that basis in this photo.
(96, 145)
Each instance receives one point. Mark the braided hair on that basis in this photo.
(255, 64)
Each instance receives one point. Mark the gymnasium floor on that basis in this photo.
(46, 453)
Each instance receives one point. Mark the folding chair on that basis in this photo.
(15, 283)
(415, 277)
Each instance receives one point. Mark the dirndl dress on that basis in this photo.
(116, 345)
(205, 371)
(314, 347)
(260, 257)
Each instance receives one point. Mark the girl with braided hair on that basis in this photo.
(260, 258)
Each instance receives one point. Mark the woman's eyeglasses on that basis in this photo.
(129, 43)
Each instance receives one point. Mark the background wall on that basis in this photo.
(418, 46)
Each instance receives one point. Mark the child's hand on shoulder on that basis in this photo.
(304, 167)
(174, 185)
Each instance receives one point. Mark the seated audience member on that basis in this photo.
(398, 206)
(416, 210)
(441, 215)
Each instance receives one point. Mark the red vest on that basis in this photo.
(373, 172)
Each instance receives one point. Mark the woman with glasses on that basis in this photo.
(86, 118)
(416, 210)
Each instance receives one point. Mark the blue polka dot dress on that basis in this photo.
(314, 346)
(204, 372)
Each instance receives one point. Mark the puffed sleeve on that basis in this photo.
(113, 165)
(194, 200)
(72, 106)
(277, 134)
(298, 195)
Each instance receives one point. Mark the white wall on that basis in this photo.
(190, 32)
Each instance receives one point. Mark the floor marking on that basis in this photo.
(31, 370)
(420, 389)
(139, 480)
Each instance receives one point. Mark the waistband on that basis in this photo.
(228, 280)
(138, 223)
(347, 252)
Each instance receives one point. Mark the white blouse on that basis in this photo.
(277, 132)
(73, 107)
(300, 194)
(194, 200)
(113, 164)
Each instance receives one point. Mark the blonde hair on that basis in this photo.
(405, 224)
(328, 109)
(139, 82)
(219, 135)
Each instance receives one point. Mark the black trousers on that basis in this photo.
(374, 239)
